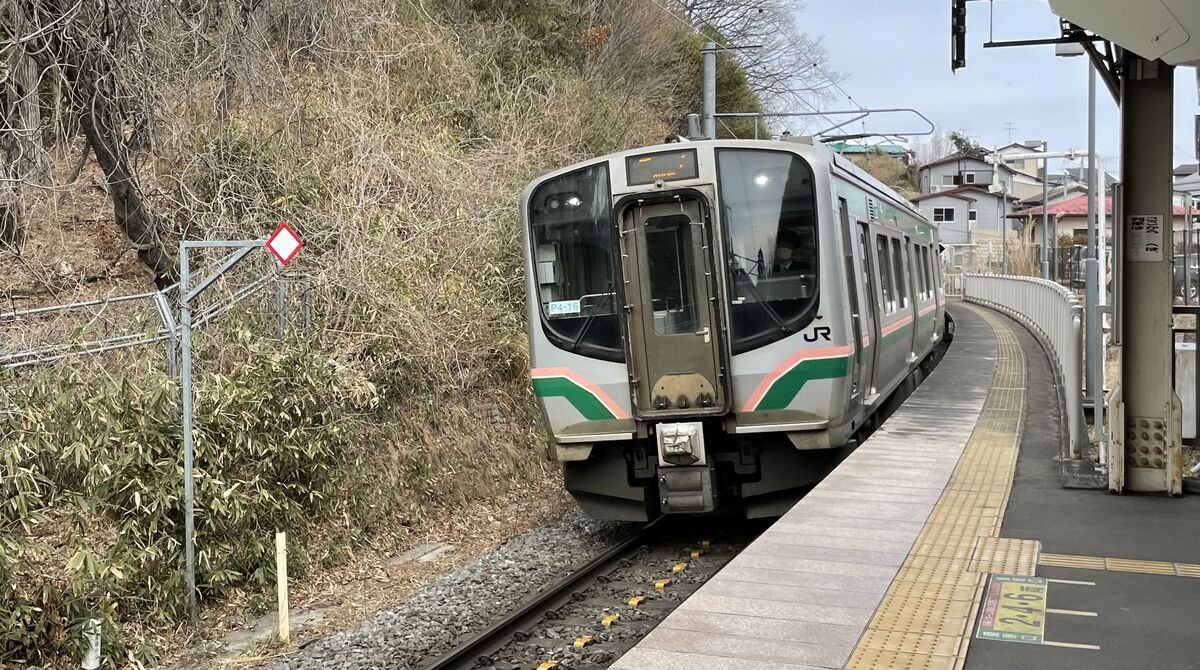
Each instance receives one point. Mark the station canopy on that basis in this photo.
(1152, 29)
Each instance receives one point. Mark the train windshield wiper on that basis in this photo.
(759, 300)
(591, 315)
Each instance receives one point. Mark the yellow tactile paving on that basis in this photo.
(925, 617)
(1119, 565)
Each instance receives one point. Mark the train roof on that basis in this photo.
(807, 147)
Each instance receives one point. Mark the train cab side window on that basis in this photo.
(570, 222)
(768, 207)
(885, 275)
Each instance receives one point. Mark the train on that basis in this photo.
(711, 322)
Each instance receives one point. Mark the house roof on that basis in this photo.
(1022, 145)
(959, 157)
(1185, 169)
(1077, 206)
(1189, 184)
(962, 193)
(1055, 193)
(1079, 175)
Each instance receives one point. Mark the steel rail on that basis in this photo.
(477, 648)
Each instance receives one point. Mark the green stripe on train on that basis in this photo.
(781, 393)
(587, 404)
(887, 339)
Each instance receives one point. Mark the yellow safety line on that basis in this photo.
(1120, 565)
(925, 618)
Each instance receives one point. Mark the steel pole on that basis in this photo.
(185, 381)
(1091, 295)
(709, 59)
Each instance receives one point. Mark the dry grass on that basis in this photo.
(396, 137)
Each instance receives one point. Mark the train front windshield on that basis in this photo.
(768, 216)
(768, 210)
(570, 221)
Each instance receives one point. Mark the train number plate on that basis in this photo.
(1014, 609)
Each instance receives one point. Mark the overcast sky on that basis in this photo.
(896, 53)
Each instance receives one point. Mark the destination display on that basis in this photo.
(663, 166)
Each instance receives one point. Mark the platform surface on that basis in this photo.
(887, 563)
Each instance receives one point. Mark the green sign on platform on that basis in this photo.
(1014, 609)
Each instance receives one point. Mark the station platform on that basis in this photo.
(945, 541)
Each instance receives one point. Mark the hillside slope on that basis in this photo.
(396, 138)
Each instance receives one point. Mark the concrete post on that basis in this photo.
(1149, 458)
(709, 59)
(1045, 214)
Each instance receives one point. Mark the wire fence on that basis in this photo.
(92, 328)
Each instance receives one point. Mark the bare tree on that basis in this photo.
(25, 161)
(97, 47)
(790, 69)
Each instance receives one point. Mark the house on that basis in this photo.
(1057, 193)
(1184, 170)
(957, 170)
(1191, 186)
(1069, 217)
(1029, 167)
(966, 214)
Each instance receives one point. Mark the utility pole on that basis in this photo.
(1045, 212)
(709, 59)
(1093, 372)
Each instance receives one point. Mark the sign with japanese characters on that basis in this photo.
(1145, 237)
(1014, 609)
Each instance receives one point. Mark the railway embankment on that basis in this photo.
(395, 138)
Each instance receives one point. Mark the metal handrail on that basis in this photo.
(1055, 316)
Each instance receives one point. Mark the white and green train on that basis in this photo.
(712, 322)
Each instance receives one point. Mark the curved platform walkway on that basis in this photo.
(921, 551)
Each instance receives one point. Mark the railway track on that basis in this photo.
(590, 617)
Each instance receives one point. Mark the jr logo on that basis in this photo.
(819, 333)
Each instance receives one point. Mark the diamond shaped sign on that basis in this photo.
(284, 243)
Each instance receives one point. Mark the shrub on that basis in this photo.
(271, 451)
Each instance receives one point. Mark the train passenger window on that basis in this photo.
(570, 223)
(769, 211)
(927, 268)
(885, 275)
(898, 266)
(917, 271)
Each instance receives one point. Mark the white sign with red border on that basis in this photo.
(284, 243)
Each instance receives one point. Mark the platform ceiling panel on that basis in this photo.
(1166, 29)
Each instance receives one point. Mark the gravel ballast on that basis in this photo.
(464, 601)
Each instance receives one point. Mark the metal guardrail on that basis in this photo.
(168, 331)
(1188, 372)
(1055, 316)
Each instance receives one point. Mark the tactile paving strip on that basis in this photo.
(1119, 565)
(925, 618)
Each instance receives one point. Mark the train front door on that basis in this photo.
(671, 306)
